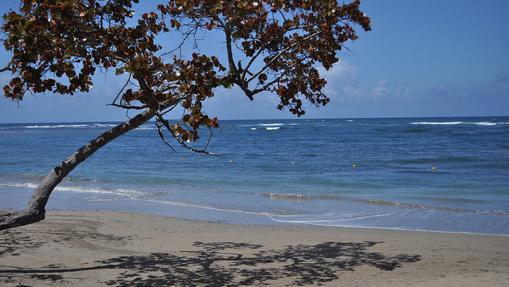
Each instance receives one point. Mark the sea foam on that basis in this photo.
(130, 193)
(436, 123)
(272, 125)
(456, 123)
(70, 126)
(485, 124)
(57, 126)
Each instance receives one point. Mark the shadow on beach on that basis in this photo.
(217, 264)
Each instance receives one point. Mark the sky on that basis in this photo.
(433, 58)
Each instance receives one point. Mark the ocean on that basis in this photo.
(439, 174)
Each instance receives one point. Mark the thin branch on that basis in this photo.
(281, 53)
(6, 68)
(282, 14)
(128, 107)
(187, 34)
(269, 84)
(179, 140)
(246, 70)
(208, 140)
(169, 109)
(161, 134)
(121, 90)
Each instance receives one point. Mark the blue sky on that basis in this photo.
(422, 58)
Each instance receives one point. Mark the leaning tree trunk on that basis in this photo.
(35, 210)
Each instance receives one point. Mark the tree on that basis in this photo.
(273, 47)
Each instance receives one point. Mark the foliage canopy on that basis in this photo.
(270, 46)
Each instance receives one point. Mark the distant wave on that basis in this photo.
(57, 126)
(146, 127)
(436, 123)
(272, 125)
(272, 128)
(458, 123)
(105, 125)
(267, 128)
(82, 126)
(70, 126)
(485, 124)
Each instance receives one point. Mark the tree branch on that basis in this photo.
(166, 124)
(6, 68)
(231, 61)
(35, 211)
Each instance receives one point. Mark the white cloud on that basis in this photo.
(380, 89)
(343, 84)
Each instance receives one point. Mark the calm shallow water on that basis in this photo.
(338, 172)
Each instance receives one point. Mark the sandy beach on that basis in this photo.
(125, 249)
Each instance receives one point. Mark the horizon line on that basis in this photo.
(275, 119)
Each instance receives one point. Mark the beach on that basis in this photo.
(100, 248)
(377, 202)
(254, 143)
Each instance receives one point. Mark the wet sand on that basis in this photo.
(124, 249)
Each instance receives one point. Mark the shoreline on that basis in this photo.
(97, 248)
(272, 222)
(80, 201)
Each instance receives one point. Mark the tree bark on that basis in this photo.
(35, 211)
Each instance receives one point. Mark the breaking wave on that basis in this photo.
(70, 126)
(83, 126)
(485, 124)
(129, 193)
(272, 125)
(57, 126)
(459, 123)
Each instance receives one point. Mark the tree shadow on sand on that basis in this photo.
(221, 264)
(12, 241)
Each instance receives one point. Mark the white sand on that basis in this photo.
(124, 249)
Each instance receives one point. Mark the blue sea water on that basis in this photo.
(441, 174)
